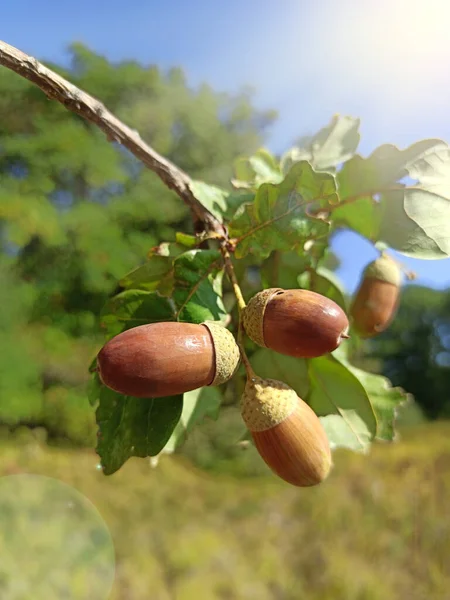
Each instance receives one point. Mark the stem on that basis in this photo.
(241, 305)
(245, 359)
(234, 282)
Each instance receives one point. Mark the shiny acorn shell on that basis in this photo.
(376, 301)
(287, 433)
(295, 322)
(165, 359)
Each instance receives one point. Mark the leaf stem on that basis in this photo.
(245, 359)
(241, 305)
(232, 277)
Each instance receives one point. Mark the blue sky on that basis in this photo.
(386, 61)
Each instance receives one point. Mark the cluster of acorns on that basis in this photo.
(164, 359)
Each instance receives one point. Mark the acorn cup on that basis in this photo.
(376, 300)
(287, 433)
(164, 359)
(297, 323)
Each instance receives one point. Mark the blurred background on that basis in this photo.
(204, 84)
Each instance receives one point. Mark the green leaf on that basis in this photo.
(186, 240)
(155, 274)
(325, 282)
(294, 155)
(331, 146)
(133, 426)
(261, 167)
(341, 435)
(282, 269)
(387, 219)
(198, 404)
(133, 308)
(293, 371)
(403, 234)
(386, 165)
(278, 219)
(198, 286)
(236, 199)
(212, 197)
(335, 390)
(335, 143)
(94, 389)
(428, 202)
(384, 398)
(362, 215)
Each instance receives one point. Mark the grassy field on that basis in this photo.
(378, 529)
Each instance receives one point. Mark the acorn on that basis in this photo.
(286, 431)
(295, 322)
(376, 300)
(164, 359)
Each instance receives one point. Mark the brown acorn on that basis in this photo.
(376, 301)
(287, 433)
(295, 322)
(164, 359)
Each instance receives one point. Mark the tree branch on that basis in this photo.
(77, 101)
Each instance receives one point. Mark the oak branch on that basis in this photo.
(81, 103)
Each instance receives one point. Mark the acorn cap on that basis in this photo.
(266, 403)
(253, 315)
(385, 269)
(226, 352)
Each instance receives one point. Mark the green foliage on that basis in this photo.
(133, 426)
(336, 391)
(197, 405)
(332, 146)
(77, 213)
(133, 308)
(277, 219)
(284, 216)
(198, 286)
(86, 226)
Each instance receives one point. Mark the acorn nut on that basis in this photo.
(376, 300)
(297, 323)
(287, 433)
(164, 359)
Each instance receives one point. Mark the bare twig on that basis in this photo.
(77, 101)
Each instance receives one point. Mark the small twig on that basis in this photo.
(232, 276)
(81, 103)
(241, 306)
(240, 342)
